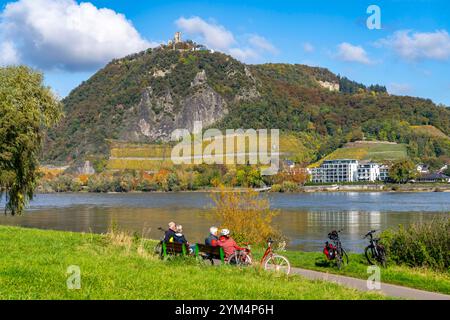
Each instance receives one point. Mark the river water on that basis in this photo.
(304, 218)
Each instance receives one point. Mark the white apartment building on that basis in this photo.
(384, 172)
(342, 170)
(348, 170)
(369, 171)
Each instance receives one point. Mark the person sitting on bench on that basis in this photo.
(179, 236)
(170, 233)
(227, 243)
(212, 238)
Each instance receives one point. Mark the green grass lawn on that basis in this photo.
(424, 279)
(33, 265)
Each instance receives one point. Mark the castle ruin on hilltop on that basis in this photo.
(177, 43)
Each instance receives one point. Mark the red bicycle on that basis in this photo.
(270, 260)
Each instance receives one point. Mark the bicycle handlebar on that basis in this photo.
(371, 232)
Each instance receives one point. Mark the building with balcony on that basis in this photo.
(384, 172)
(348, 170)
(342, 170)
(368, 171)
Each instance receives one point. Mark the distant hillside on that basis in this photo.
(377, 151)
(430, 131)
(142, 98)
(155, 156)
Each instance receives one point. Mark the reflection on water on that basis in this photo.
(304, 218)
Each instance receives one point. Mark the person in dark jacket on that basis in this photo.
(170, 233)
(179, 236)
(212, 238)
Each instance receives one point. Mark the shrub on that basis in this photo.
(276, 188)
(65, 183)
(289, 186)
(420, 244)
(246, 214)
(147, 186)
(100, 183)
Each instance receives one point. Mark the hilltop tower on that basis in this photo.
(177, 38)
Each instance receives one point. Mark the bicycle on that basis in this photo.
(158, 248)
(375, 252)
(270, 260)
(335, 251)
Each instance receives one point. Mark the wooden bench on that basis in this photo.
(200, 250)
(172, 248)
(210, 252)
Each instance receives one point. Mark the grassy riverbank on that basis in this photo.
(34, 264)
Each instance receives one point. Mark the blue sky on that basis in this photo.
(410, 54)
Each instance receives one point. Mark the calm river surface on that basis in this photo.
(305, 218)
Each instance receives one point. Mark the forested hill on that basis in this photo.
(143, 97)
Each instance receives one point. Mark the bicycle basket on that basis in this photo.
(333, 235)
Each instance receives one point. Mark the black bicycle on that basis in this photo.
(375, 252)
(334, 250)
(158, 248)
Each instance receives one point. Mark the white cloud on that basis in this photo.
(262, 43)
(8, 54)
(308, 47)
(399, 89)
(217, 37)
(244, 54)
(350, 53)
(66, 35)
(414, 46)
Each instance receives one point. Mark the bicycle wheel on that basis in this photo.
(344, 256)
(278, 264)
(369, 252)
(239, 258)
(158, 249)
(341, 258)
(382, 256)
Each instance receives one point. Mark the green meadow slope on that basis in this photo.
(34, 266)
(374, 151)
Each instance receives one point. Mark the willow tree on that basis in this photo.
(27, 108)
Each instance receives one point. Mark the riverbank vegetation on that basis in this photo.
(207, 178)
(35, 264)
(422, 245)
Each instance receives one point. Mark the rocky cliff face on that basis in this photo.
(157, 116)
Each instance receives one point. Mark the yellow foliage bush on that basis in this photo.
(246, 214)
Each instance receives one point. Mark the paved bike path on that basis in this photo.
(391, 290)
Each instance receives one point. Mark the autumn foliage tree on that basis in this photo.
(402, 171)
(246, 214)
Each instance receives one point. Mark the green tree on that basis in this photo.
(27, 108)
(402, 171)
